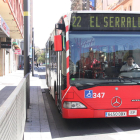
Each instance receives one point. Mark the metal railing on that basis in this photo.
(13, 113)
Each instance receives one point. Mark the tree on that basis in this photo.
(41, 58)
(37, 54)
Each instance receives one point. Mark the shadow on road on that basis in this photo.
(78, 127)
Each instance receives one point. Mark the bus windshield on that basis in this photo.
(98, 58)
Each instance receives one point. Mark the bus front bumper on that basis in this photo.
(89, 113)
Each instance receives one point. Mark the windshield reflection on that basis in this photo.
(96, 58)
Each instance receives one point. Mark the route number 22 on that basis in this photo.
(76, 20)
(98, 95)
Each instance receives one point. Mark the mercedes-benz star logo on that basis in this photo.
(116, 101)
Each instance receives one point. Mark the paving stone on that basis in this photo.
(38, 127)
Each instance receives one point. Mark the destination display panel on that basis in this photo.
(104, 22)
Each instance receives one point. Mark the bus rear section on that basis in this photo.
(102, 77)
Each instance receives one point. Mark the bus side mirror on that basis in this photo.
(57, 43)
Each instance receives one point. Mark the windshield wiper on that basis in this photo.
(121, 78)
(128, 78)
(85, 86)
(135, 69)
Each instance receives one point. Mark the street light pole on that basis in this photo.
(33, 51)
(26, 51)
(26, 37)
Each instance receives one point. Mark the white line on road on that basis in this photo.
(120, 135)
(116, 128)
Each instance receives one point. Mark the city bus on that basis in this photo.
(85, 54)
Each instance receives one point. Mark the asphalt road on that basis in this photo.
(88, 129)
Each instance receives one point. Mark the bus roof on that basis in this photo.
(105, 11)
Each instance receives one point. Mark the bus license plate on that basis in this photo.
(115, 114)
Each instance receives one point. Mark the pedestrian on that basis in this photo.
(37, 65)
(19, 67)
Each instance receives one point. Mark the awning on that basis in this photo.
(4, 29)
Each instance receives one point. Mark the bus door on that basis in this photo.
(61, 72)
(53, 71)
(58, 95)
(47, 64)
(49, 72)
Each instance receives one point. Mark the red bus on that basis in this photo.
(93, 61)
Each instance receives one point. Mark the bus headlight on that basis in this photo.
(70, 105)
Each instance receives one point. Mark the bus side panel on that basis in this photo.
(53, 79)
(47, 63)
(52, 70)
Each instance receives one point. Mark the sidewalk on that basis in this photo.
(37, 126)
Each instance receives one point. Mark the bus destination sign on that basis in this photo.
(105, 22)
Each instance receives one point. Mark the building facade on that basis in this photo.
(103, 4)
(31, 27)
(125, 5)
(118, 5)
(80, 5)
(11, 31)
